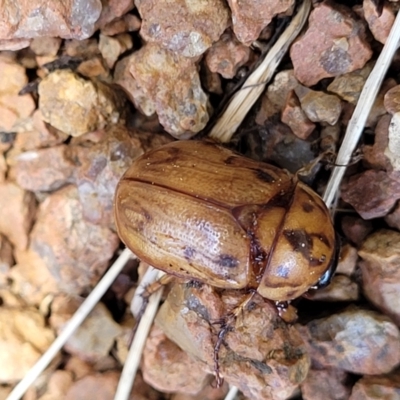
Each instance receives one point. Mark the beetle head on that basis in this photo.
(303, 252)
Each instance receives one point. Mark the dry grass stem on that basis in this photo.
(254, 86)
(73, 324)
(232, 394)
(135, 352)
(361, 112)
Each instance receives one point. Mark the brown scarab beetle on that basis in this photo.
(199, 211)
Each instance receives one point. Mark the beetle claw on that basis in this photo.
(221, 335)
(219, 321)
(218, 382)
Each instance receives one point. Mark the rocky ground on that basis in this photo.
(87, 87)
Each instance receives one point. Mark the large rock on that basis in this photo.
(23, 338)
(250, 17)
(354, 340)
(260, 354)
(172, 83)
(27, 19)
(184, 27)
(334, 44)
(75, 252)
(380, 271)
(76, 106)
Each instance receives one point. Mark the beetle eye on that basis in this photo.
(326, 278)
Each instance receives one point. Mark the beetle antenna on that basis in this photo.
(307, 169)
(326, 158)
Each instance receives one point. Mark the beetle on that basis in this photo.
(197, 210)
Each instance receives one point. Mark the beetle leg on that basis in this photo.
(286, 311)
(156, 286)
(221, 334)
(309, 169)
(148, 290)
(227, 325)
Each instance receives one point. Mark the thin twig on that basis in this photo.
(361, 112)
(231, 395)
(224, 102)
(244, 99)
(76, 320)
(132, 362)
